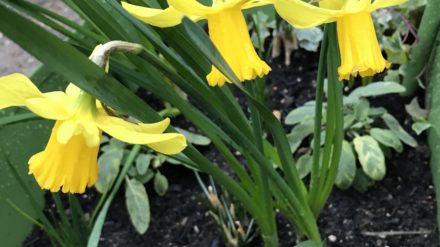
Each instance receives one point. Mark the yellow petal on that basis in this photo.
(168, 143)
(358, 47)
(355, 6)
(228, 31)
(377, 4)
(191, 7)
(303, 15)
(331, 4)
(15, 89)
(51, 106)
(73, 91)
(157, 17)
(71, 166)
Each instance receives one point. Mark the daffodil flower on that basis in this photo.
(227, 30)
(69, 160)
(358, 46)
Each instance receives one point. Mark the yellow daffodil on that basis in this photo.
(227, 30)
(69, 161)
(358, 46)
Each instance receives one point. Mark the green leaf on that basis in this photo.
(304, 165)
(146, 177)
(194, 138)
(361, 181)
(138, 205)
(160, 184)
(415, 111)
(347, 167)
(370, 156)
(361, 109)
(419, 127)
(143, 163)
(300, 114)
(348, 121)
(309, 38)
(377, 89)
(376, 111)
(387, 138)
(109, 163)
(394, 126)
(297, 135)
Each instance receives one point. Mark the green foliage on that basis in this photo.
(138, 205)
(368, 130)
(233, 223)
(144, 169)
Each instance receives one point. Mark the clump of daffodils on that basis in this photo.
(69, 161)
(227, 30)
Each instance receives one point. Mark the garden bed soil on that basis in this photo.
(397, 212)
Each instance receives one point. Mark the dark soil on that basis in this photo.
(401, 207)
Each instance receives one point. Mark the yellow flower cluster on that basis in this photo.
(359, 48)
(69, 161)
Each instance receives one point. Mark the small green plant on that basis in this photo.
(371, 133)
(229, 215)
(145, 168)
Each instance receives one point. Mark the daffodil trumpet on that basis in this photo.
(69, 161)
(227, 30)
(359, 49)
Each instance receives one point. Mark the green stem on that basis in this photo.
(314, 179)
(434, 119)
(429, 27)
(269, 235)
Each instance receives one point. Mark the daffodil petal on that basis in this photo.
(91, 133)
(65, 131)
(304, 15)
(378, 4)
(256, 3)
(168, 143)
(331, 4)
(73, 91)
(48, 107)
(70, 167)
(168, 17)
(15, 89)
(356, 6)
(191, 7)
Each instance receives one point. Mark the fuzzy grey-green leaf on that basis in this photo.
(370, 156)
(143, 163)
(387, 138)
(160, 184)
(304, 165)
(138, 205)
(347, 167)
(394, 126)
(109, 163)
